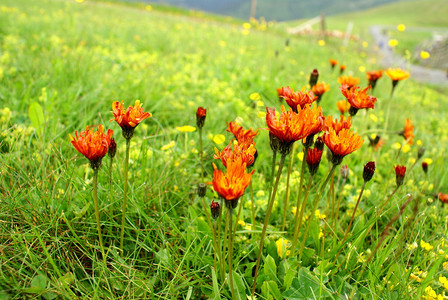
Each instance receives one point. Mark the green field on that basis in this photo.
(63, 63)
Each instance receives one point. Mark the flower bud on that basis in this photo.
(344, 171)
(319, 143)
(112, 148)
(202, 189)
(313, 77)
(443, 197)
(421, 152)
(369, 170)
(425, 167)
(400, 172)
(215, 209)
(201, 113)
(313, 160)
(274, 142)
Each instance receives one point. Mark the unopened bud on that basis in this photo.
(112, 148)
(215, 209)
(313, 77)
(201, 113)
(421, 152)
(369, 170)
(202, 189)
(400, 172)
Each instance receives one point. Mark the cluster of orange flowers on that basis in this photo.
(237, 159)
(94, 145)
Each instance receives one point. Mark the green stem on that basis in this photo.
(266, 220)
(386, 122)
(238, 215)
(316, 201)
(97, 211)
(230, 213)
(337, 205)
(110, 175)
(252, 205)
(296, 218)
(200, 152)
(271, 180)
(219, 244)
(351, 220)
(285, 200)
(125, 197)
(300, 217)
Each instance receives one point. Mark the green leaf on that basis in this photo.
(306, 286)
(240, 289)
(36, 115)
(49, 296)
(270, 269)
(216, 292)
(270, 290)
(68, 278)
(38, 285)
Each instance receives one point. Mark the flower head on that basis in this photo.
(319, 89)
(232, 184)
(348, 80)
(333, 63)
(400, 172)
(341, 143)
(94, 145)
(408, 132)
(343, 123)
(298, 98)
(343, 106)
(342, 69)
(397, 74)
(373, 76)
(128, 119)
(443, 197)
(291, 126)
(358, 99)
(244, 151)
(215, 209)
(201, 114)
(242, 135)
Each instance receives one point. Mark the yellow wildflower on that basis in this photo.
(186, 128)
(426, 246)
(282, 245)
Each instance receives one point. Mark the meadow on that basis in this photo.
(63, 64)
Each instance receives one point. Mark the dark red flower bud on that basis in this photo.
(400, 171)
(215, 209)
(313, 77)
(344, 171)
(319, 143)
(112, 148)
(201, 113)
(425, 167)
(369, 170)
(421, 152)
(313, 160)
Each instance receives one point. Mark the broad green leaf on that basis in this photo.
(270, 269)
(270, 290)
(38, 285)
(240, 289)
(36, 115)
(68, 278)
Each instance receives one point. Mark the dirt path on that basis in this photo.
(390, 59)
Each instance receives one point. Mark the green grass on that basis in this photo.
(63, 63)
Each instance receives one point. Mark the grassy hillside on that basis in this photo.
(63, 63)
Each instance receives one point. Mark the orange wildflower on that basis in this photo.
(358, 99)
(244, 151)
(443, 197)
(291, 126)
(319, 89)
(373, 76)
(343, 123)
(299, 98)
(94, 145)
(348, 80)
(333, 63)
(341, 143)
(233, 183)
(343, 106)
(342, 69)
(408, 132)
(128, 119)
(376, 142)
(242, 135)
(397, 74)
